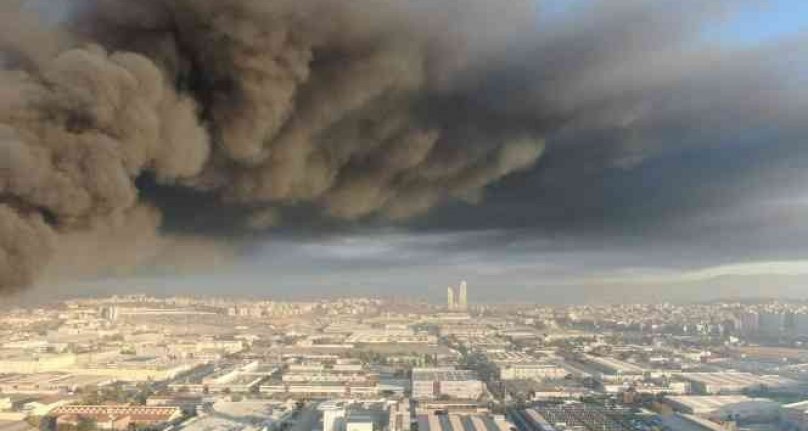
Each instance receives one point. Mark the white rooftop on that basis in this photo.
(708, 403)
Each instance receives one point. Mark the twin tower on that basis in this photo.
(460, 301)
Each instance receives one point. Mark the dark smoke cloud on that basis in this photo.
(257, 103)
(360, 110)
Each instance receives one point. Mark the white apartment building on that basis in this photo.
(431, 383)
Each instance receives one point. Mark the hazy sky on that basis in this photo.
(686, 180)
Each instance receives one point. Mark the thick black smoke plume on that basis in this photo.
(362, 108)
(264, 103)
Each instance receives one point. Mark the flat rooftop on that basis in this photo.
(45, 380)
(735, 379)
(615, 364)
(443, 375)
(456, 422)
(707, 403)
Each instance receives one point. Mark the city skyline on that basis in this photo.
(195, 363)
(433, 294)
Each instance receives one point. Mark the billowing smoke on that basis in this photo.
(360, 109)
(259, 103)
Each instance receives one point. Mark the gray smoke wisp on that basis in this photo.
(361, 109)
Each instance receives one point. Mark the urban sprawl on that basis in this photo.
(364, 364)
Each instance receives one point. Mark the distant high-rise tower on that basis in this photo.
(463, 297)
(110, 313)
(450, 299)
